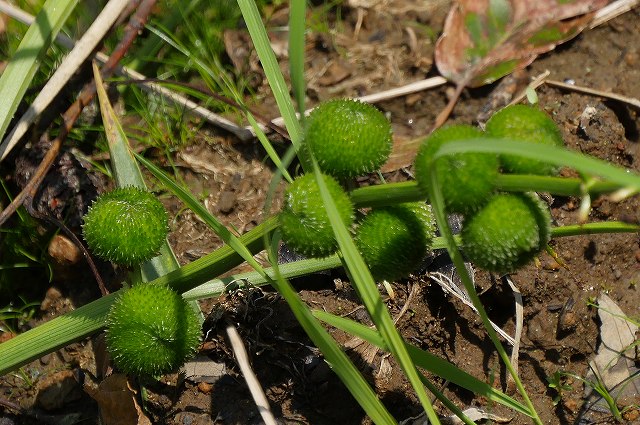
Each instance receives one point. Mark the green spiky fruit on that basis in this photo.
(467, 179)
(529, 124)
(304, 221)
(348, 137)
(126, 226)
(151, 330)
(394, 240)
(507, 232)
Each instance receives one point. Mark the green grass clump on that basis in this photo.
(125, 226)
(304, 221)
(349, 138)
(507, 232)
(394, 240)
(151, 330)
(467, 179)
(526, 123)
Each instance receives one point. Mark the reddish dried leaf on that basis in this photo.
(484, 40)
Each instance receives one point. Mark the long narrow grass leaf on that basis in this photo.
(297, 18)
(271, 69)
(127, 173)
(25, 61)
(366, 287)
(425, 360)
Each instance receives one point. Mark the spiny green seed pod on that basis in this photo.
(467, 179)
(394, 240)
(507, 232)
(349, 138)
(529, 124)
(304, 221)
(126, 226)
(151, 330)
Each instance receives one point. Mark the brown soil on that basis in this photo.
(561, 333)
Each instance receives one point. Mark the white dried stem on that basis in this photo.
(259, 398)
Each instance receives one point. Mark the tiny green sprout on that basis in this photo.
(507, 232)
(126, 226)
(467, 179)
(526, 123)
(151, 330)
(394, 240)
(304, 221)
(348, 138)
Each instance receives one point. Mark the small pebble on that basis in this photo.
(204, 387)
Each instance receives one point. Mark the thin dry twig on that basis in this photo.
(148, 85)
(515, 351)
(64, 72)
(259, 398)
(612, 10)
(631, 101)
(450, 287)
(135, 25)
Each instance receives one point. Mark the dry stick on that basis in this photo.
(135, 25)
(515, 351)
(28, 193)
(242, 133)
(586, 90)
(259, 398)
(67, 68)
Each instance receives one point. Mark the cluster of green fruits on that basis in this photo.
(151, 330)
(501, 232)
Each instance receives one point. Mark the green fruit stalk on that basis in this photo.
(151, 330)
(304, 221)
(467, 180)
(348, 138)
(526, 123)
(126, 226)
(507, 232)
(394, 240)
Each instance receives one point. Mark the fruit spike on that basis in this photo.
(126, 226)
(348, 138)
(467, 179)
(507, 232)
(394, 240)
(304, 221)
(529, 124)
(151, 330)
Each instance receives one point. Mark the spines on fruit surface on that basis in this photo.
(348, 138)
(530, 124)
(394, 240)
(126, 226)
(507, 232)
(467, 180)
(151, 330)
(304, 221)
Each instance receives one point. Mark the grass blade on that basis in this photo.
(365, 285)
(127, 173)
(334, 355)
(425, 360)
(24, 63)
(297, 17)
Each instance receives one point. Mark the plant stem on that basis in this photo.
(393, 193)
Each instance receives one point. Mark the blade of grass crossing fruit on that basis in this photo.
(550, 154)
(437, 204)
(25, 61)
(366, 287)
(425, 360)
(127, 173)
(311, 325)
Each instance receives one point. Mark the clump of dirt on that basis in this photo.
(368, 49)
